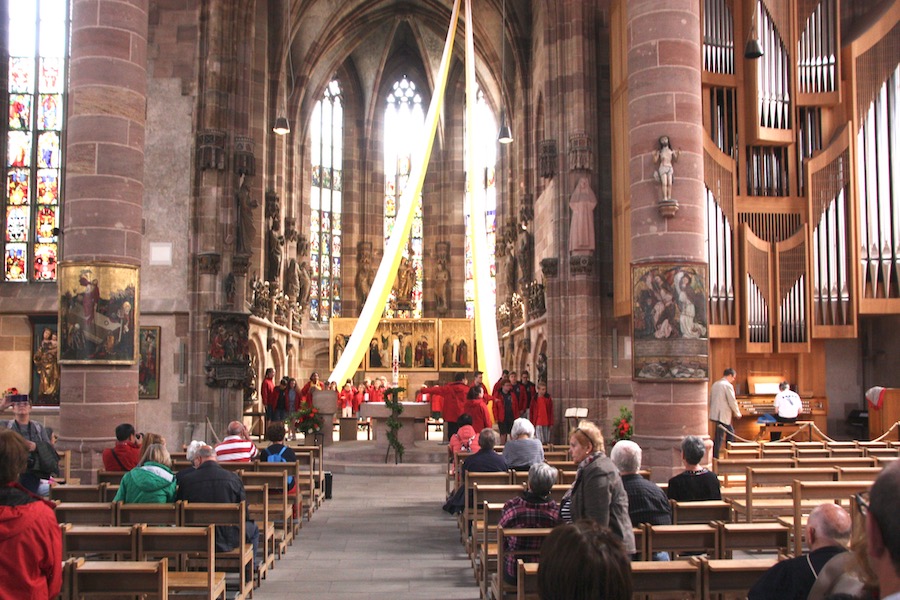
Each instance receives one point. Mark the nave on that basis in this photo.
(382, 536)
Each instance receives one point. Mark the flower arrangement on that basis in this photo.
(392, 402)
(623, 429)
(307, 420)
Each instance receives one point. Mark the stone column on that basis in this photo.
(664, 95)
(104, 204)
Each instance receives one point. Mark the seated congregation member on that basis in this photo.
(277, 451)
(237, 445)
(883, 531)
(583, 561)
(30, 539)
(148, 440)
(533, 509)
(522, 449)
(483, 461)
(190, 455)
(597, 492)
(695, 483)
(43, 461)
(208, 482)
(827, 534)
(151, 482)
(126, 454)
(476, 408)
(466, 438)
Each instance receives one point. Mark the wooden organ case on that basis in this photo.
(803, 231)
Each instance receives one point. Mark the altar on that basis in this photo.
(411, 430)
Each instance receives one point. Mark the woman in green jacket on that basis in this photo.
(152, 481)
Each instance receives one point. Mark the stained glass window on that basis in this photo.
(485, 159)
(404, 119)
(326, 143)
(37, 45)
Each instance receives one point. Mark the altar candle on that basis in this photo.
(395, 363)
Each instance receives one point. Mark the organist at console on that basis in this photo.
(762, 388)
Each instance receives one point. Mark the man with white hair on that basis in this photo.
(237, 445)
(827, 534)
(647, 503)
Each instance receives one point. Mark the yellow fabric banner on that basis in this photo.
(387, 270)
(485, 303)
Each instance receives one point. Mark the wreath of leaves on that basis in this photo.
(392, 402)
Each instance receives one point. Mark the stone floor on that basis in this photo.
(382, 536)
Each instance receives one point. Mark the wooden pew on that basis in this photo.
(304, 484)
(500, 589)
(735, 576)
(729, 468)
(280, 507)
(493, 478)
(767, 491)
(94, 579)
(485, 545)
(481, 493)
(77, 493)
(258, 509)
(526, 580)
(110, 476)
(177, 543)
(86, 513)
(240, 559)
(677, 577)
(858, 473)
(65, 468)
(858, 461)
(676, 539)
(99, 543)
(753, 537)
(149, 514)
(691, 513)
(809, 494)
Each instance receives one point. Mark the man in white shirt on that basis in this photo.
(237, 445)
(787, 407)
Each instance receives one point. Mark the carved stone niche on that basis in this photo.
(548, 156)
(208, 263)
(550, 267)
(244, 159)
(581, 152)
(211, 149)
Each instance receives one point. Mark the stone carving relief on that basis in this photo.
(442, 279)
(365, 273)
(211, 150)
(229, 287)
(549, 154)
(244, 160)
(581, 152)
(305, 285)
(246, 230)
(275, 252)
(228, 351)
(292, 280)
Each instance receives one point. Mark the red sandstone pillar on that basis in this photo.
(664, 96)
(104, 198)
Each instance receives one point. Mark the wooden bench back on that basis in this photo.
(150, 514)
(78, 493)
(677, 577)
(690, 513)
(676, 539)
(110, 476)
(99, 542)
(820, 491)
(96, 579)
(86, 513)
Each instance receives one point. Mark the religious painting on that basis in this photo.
(416, 339)
(98, 309)
(228, 350)
(670, 324)
(341, 329)
(148, 367)
(457, 345)
(45, 358)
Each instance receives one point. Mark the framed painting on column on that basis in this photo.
(148, 367)
(98, 309)
(670, 325)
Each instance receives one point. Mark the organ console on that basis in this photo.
(762, 388)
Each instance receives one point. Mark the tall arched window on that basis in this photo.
(404, 119)
(36, 44)
(485, 159)
(326, 148)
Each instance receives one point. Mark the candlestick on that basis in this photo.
(395, 363)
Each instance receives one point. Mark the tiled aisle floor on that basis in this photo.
(380, 537)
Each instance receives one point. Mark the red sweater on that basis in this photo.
(454, 397)
(542, 411)
(269, 395)
(500, 409)
(479, 413)
(123, 456)
(31, 560)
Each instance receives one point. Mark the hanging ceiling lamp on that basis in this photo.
(282, 127)
(505, 135)
(753, 49)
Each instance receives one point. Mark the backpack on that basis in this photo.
(276, 458)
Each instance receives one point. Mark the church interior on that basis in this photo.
(198, 191)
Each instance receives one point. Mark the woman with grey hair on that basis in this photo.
(533, 509)
(522, 449)
(696, 483)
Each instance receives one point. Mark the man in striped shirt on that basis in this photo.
(237, 445)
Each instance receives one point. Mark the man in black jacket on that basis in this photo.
(209, 482)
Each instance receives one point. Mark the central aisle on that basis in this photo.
(382, 537)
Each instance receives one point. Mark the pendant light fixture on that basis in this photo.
(282, 127)
(505, 135)
(753, 49)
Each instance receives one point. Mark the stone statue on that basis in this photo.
(365, 274)
(230, 288)
(665, 173)
(406, 281)
(246, 230)
(511, 264)
(525, 253)
(292, 280)
(276, 249)
(305, 278)
(581, 232)
(442, 287)
(541, 365)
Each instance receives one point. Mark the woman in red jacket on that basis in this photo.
(29, 534)
(345, 400)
